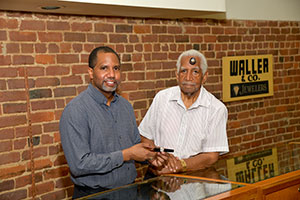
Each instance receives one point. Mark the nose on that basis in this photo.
(189, 75)
(111, 73)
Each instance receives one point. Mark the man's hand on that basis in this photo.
(159, 160)
(139, 152)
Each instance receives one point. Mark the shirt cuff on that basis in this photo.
(117, 159)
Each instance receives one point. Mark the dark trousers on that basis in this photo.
(81, 191)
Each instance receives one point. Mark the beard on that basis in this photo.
(110, 89)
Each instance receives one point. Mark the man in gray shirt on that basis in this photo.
(98, 131)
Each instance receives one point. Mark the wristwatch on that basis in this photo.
(183, 164)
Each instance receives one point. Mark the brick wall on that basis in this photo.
(43, 65)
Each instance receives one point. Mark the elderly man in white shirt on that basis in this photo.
(187, 118)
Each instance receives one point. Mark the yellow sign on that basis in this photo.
(253, 167)
(247, 77)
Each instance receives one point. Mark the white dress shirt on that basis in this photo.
(200, 128)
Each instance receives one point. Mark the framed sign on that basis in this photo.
(253, 167)
(246, 77)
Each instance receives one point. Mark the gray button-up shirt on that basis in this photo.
(93, 136)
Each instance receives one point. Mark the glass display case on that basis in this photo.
(269, 174)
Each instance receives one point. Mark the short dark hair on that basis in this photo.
(104, 49)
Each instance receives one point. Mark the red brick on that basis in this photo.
(46, 139)
(42, 105)
(3, 35)
(67, 58)
(7, 121)
(149, 38)
(23, 180)
(6, 134)
(118, 38)
(63, 182)
(53, 150)
(44, 187)
(19, 83)
(40, 48)
(27, 48)
(20, 144)
(22, 60)
(53, 48)
(8, 72)
(141, 29)
(182, 38)
(42, 117)
(54, 195)
(11, 157)
(128, 86)
(5, 146)
(65, 48)
(14, 108)
(46, 82)
(159, 56)
(23, 131)
(210, 38)
(45, 59)
(6, 185)
(63, 92)
(79, 69)
(55, 25)
(81, 26)
(100, 27)
(136, 76)
(123, 28)
(71, 80)
(159, 29)
(32, 71)
(12, 48)
(41, 164)
(92, 37)
(139, 104)
(8, 23)
(5, 60)
(57, 70)
(37, 153)
(166, 38)
(204, 30)
(22, 36)
(50, 36)
(32, 25)
(56, 173)
(17, 194)
(60, 160)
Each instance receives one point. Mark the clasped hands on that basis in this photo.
(160, 162)
(165, 163)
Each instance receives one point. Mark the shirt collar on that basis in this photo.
(202, 99)
(98, 96)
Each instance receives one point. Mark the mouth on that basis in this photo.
(110, 83)
(189, 84)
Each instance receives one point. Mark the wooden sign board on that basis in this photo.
(246, 77)
(253, 167)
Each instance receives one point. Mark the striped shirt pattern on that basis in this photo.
(200, 128)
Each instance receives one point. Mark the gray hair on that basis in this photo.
(193, 52)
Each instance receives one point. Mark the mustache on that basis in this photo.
(188, 83)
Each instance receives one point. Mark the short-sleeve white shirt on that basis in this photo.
(200, 128)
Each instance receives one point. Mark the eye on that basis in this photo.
(196, 71)
(117, 68)
(104, 67)
(183, 70)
